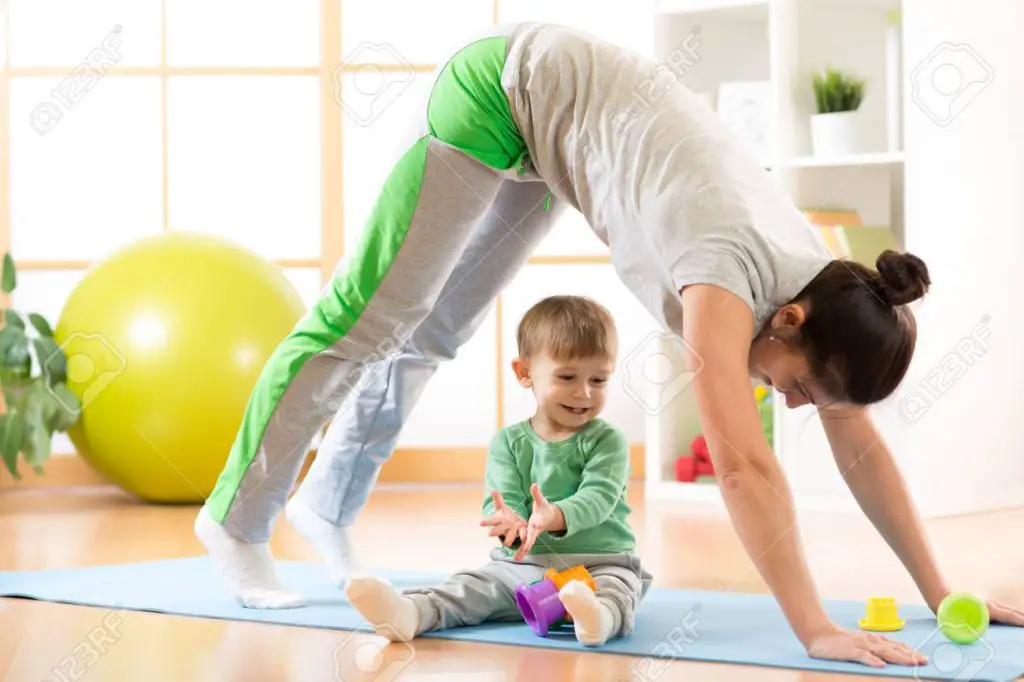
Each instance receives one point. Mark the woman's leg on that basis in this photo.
(367, 425)
(421, 227)
(428, 209)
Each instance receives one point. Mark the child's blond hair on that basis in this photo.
(567, 327)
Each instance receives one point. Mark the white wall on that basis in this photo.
(965, 217)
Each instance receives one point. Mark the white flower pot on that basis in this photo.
(839, 134)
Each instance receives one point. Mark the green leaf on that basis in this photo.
(10, 462)
(51, 359)
(51, 408)
(16, 390)
(12, 433)
(38, 445)
(10, 276)
(16, 357)
(62, 408)
(38, 434)
(41, 325)
(7, 337)
(13, 319)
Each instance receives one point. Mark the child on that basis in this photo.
(557, 485)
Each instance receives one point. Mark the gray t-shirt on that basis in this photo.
(660, 179)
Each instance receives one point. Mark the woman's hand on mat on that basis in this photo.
(868, 648)
(999, 612)
(545, 517)
(505, 522)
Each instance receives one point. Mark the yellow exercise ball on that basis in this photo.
(165, 340)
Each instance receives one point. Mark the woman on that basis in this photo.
(532, 119)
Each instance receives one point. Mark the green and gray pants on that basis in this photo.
(487, 593)
(455, 221)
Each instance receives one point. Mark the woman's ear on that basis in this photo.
(787, 320)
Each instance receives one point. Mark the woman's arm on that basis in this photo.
(869, 470)
(717, 329)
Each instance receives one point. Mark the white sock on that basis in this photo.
(592, 618)
(332, 542)
(247, 566)
(391, 614)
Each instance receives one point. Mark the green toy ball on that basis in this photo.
(963, 618)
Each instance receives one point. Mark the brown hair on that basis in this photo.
(859, 335)
(567, 327)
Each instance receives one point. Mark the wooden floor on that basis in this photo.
(433, 529)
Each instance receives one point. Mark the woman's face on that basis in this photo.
(778, 365)
(790, 374)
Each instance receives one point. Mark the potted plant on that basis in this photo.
(838, 128)
(33, 376)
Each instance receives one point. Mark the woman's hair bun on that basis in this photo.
(903, 277)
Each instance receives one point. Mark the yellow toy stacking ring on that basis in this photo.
(881, 615)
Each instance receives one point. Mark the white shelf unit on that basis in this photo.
(866, 159)
(943, 175)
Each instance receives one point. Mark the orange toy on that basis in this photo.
(560, 578)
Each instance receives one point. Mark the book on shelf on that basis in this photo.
(846, 235)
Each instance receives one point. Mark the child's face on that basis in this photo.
(569, 392)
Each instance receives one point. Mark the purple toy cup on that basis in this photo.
(540, 605)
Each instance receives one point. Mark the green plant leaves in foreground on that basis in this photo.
(34, 412)
(36, 406)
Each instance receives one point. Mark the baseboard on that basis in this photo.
(62, 471)
(406, 465)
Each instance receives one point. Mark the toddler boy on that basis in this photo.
(557, 495)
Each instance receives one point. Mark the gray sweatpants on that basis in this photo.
(487, 593)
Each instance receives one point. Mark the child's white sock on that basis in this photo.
(248, 567)
(592, 618)
(332, 542)
(391, 614)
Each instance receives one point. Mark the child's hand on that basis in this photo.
(545, 517)
(505, 522)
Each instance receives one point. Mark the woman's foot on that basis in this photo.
(248, 567)
(332, 542)
(592, 618)
(391, 614)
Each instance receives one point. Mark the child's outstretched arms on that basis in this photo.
(506, 507)
(506, 524)
(604, 478)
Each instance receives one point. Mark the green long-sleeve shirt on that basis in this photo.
(584, 475)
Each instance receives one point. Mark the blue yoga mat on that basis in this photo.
(726, 627)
